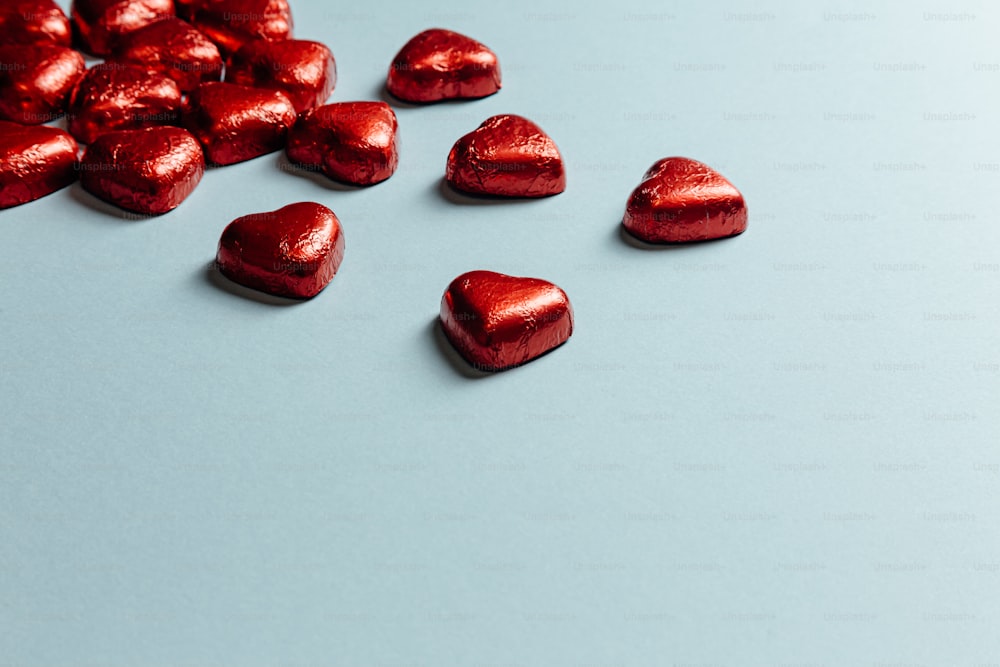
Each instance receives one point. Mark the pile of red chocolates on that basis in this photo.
(185, 82)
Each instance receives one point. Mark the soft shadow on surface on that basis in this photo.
(315, 175)
(384, 95)
(450, 194)
(212, 276)
(451, 356)
(81, 196)
(625, 237)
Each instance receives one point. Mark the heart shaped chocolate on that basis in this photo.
(175, 48)
(439, 65)
(148, 171)
(506, 156)
(237, 123)
(33, 22)
(118, 96)
(497, 321)
(230, 23)
(353, 142)
(36, 81)
(305, 71)
(293, 252)
(34, 162)
(101, 23)
(682, 200)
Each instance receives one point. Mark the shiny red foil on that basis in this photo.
(304, 71)
(506, 156)
(497, 321)
(118, 96)
(440, 64)
(148, 171)
(231, 23)
(352, 142)
(36, 81)
(34, 22)
(100, 24)
(236, 123)
(681, 200)
(34, 161)
(292, 252)
(175, 48)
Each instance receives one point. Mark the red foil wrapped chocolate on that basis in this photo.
(148, 171)
(34, 22)
(101, 23)
(118, 96)
(175, 48)
(352, 142)
(36, 81)
(34, 161)
(440, 64)
(292, 252)
(497, 321)
(231, 23)
(305, 71)
(236, 123)
(506, 156)
(681, 200)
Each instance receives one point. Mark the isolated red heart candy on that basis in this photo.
(507, 156)
(148, 171)
(34, 162)
(497, 321)
(175, 48)
(682, 200)
(353, 142)
(237, 123)
(118, 96)
(230, 23)
(36, 81)
(294, 251)
(101, 23)
(439, 65)
(33, 22)
(304, 71)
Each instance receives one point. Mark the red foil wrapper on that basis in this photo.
(231, 23)
(34, 22)
(506, 156)
(352, 142)
(682, 200)
(497, 321)
(36, 81)
(292, 252)
(237, 123)
(175, 48)
(101, 23)
(304, 71)
(117, 96)
(148, 171)
(34, 162)
(440, 65)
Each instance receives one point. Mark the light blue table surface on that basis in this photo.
(776, 450)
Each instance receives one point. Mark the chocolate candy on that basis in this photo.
(236, 123)
(230, 23)
(175, 48)
(497, 321)
(148, 171)
(293, 252)
(101, 23)
(304, 71)
(506, 156)
(34, 162)
(36, 81)
(119, 96)
(439, 65)
(682, 200)
(33, 22)
(353, 142)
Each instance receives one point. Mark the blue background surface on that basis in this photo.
(779, 449)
